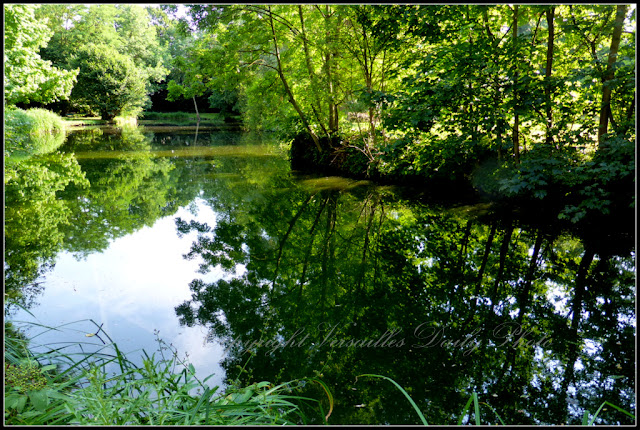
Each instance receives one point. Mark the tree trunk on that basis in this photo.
(504, 249)
(283, 79)
(284, 239)
(196, 106)
(525, 292)
(316, 105)
(605, 107)
(576, 311)
(547, 88)
(516, 120)
(329, 55)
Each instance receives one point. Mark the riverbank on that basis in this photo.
(60, 387)
(32, 131)
(565, 183)
(83, 121)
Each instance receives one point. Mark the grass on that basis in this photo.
(61, 386)
(476, 406)
(183, 117)
(120, 121)
(30, 132)
(93, 383)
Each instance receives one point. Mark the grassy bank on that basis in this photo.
(82, 121)
(32, 131)
(61, 386)
(183, 117)
(92, 382)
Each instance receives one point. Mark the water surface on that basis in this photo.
(259, 273)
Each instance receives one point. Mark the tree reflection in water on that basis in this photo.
(343, 283)
(339, 278)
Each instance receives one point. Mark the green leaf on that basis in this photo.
(415, 407)
(20, 404)
(39, 399)
(13, 400)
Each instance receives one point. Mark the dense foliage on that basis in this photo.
(425, 92)
(117, 41)
(437, 92)
(27, 76)
(108, 82)
(34, 131)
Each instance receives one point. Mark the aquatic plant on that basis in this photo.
(60, 386)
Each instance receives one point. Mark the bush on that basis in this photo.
(30, 132)
(575, 184)
(109, 82)
(430, 157)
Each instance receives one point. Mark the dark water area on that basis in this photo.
(263, 273)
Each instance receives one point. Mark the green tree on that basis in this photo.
(27, 76)
(125, 29)
(108, 82)
(605, 109)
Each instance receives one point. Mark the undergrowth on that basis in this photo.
(30, 132)
(75, 383)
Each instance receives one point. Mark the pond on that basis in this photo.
(210, 242)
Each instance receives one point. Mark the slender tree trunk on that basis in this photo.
(328, 258)
(312, 239)
(365, 250)
(329, 64)
(576, 310)
(485, 258)
(485, 18)
(463, 246)
(196, 106)
(504, 249)
(547, 88)
(284, 239)
(316, 105)
(515, 137)
(283, 79)
(605, 108)
(525, 293)
(631, 108)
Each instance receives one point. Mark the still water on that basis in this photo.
(210, 242)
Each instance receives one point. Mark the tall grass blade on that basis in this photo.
(326, 390)
(494, 411)
(600, 408)
(422, 418)
(464, 410)
(476, 408)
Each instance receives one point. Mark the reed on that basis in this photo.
(74, 383)
(473, 399)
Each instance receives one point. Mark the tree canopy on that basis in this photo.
(28, 77)
(444, 93)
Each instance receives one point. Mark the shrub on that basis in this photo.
(109, 82)
(30, 132)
